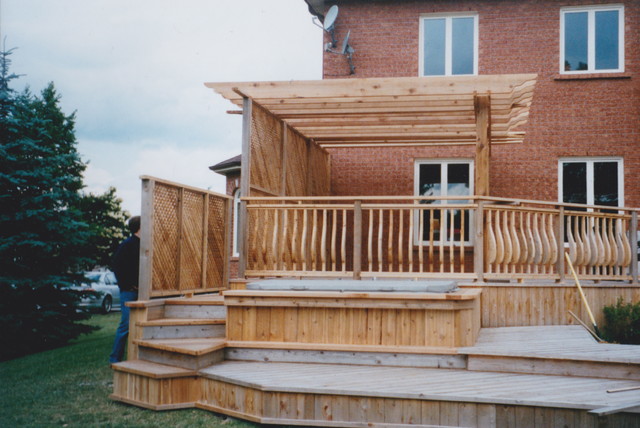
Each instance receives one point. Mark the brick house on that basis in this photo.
(583, 130)
(489, 146)
(582, 122)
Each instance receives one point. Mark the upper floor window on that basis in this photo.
(449, 45)
(592, 39)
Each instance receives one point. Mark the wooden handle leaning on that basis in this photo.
(584, 299)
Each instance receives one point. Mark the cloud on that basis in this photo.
(134, 72)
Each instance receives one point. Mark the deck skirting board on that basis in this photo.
(594, 369)
(321, 409)
(353, 358)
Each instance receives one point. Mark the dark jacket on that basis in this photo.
(126, 263)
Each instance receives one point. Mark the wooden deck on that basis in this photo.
(511, 377)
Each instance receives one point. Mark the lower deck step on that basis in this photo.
(351, 395)
(186, 353)
(553, 350)
(154, 386)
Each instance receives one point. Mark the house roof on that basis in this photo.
(227, 166)
(392, 111)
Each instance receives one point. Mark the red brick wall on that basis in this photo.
(568, 118)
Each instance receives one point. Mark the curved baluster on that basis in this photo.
(604, 238)
(531, 243)
(601, 256)
(508, 250)
(544, 239)
(499, 240)
(515, 242)
(553, 242)
(586, 242)
(597, 257)
(524, 248)
(611, 239)
(491, 240)
(626, 247)
(573, 252)
(537, 240)
(579, 243)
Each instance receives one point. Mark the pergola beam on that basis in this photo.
(412, 110)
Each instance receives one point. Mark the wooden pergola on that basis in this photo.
(406, 111)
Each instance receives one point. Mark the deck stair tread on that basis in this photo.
(181, 321)
(426, 383)
(205, 299)
(152, 370)
(194, 346)
(550, 342)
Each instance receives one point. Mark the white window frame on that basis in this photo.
(591, 37)
(444, 182)
(236, 222)
(448, 41)
(590, 181)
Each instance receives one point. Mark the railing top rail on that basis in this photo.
(183, 186)
(475, 198)
(355, 198)
(556, 204)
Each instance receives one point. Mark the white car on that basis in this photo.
(100, 291)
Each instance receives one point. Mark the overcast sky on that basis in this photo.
(134, 72)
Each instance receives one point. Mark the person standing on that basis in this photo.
(126, 266)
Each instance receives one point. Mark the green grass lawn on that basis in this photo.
(70, 387)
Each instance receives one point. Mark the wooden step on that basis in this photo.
(329, 356)
(177, 328)
(154, 386)
(195, 310)
(186, 353)
(554, 350)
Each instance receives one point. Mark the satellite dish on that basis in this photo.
(330, 24)
(330, 18)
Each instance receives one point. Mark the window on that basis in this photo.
(592, 39)
(445, 178)
(449, 45)
(236, 222)
(592, 181)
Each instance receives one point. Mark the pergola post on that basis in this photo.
(482, 108)
(245, 171)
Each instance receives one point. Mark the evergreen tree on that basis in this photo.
(42, 233)
(107, 222)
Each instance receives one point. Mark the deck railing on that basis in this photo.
(478, 238)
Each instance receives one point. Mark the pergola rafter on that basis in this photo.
(394, 111)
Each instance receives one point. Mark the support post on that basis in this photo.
(633, 239)
(245, 171)
(482, 108)
(478, 245)
(146, 240)
(205, 241)
(228, 242)
(560, 261)
(357, 239)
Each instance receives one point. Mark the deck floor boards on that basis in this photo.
(433, 384)
(550, 342)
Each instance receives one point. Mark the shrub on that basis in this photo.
(622, 323)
